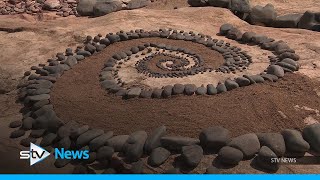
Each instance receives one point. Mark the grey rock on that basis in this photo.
(310, 20)
(287, 21)
(225, 28)
(91, 48)
(175, 143)
(157, 93)
(249, 144)
(201, 90)
(290, 55)
(214, 138)
(153, 140)
(105, 153)
(242, 81)
(133, 92)
(17, 133)
(85, 7)
(190, 89)
(311, 134)
(263, 15)
(230, 156)
(276, 70)
(117, 142)
(230, 84)
(37, 133)
(146, 94)
(27, 123)
(257, 78)
(192, 155)
(178, 89)
(133, 148)
(274, 141)
(294, 141)
(212, 170)
(264, 159)
(99, 141)
(211, 90)
(71, 61)
(172, 171)
(197, 3)
(242, 6)
(270, 77)
(103, 8)
(221, 88)
(15, 124)
(219, 3)
(64, 143)
(167, 91)
(135, 4)
(247, 37)
(234, 34)
(86, 137)
(158, 156)
(48, 139)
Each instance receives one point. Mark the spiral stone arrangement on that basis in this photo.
(161, 61)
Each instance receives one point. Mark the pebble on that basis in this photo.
(211, 90)
(230, 84)
(242, 81)
(221, 88)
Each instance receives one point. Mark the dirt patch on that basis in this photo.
(77, 96)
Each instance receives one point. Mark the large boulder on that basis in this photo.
(197, 3)
(214, 138)
(312, 135)
(192, 155)
(263, 15)
(249, 144)
(240, 6)
(85, 7)
(287, 21)
(274, 141)
(310, 20)
(104, 7)
(135, 4)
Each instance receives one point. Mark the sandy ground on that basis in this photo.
(35, 41)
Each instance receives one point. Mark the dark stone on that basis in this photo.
(294, 141)
(135, 4)
(240, 6)
(153, 140)
(158, 156)
(230, 156)
(84, 53)
(311, 134)
(201, 90)
(263, 15)
(60, 163)
(175, 143)
(230, 84)
(247, 37)
(221, 88)
(27, 123)
(197, 3)
(146, 94)
(219, 3)
(17, 133)
(172, 171)
(192, 155)
(214, 138)
(276, 70)
(103, 8)
(212, 170)
(249, 144)
(157, 93)
(270, 77)
(105, 153)
(15, 124)
(211, 90)
(264, 159)
(234, 34)
(290, 55)
(137, 167)
(178, 89)
(167, 91)
(274, 141)
(89, 47)
(113, 38)
(242, 81)
(190, 89)
(86, 137)
(310, 20)
(133, 148)
(133, 92)
(225, 28)
(117, 142)
(37, 133)
(48, 139)
(64, 143)
(85, 7)
(287, 21)
(99, 141)
(26, 142)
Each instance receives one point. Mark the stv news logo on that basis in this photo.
(37, 154)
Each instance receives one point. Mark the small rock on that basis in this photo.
(294, 141)
(214, 138)
(230, 85)
(276, 70)
(311, 134)
(158, 156)
(153, 140)
(190, 89)
(230, 156)
(176, 143)
(86, 137)
(274, 141)
(249, 144)
(264, 159)
(192, 155)
(117, 142)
